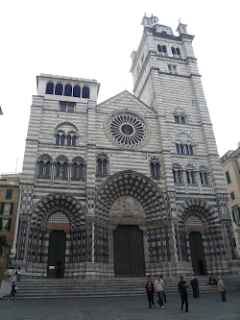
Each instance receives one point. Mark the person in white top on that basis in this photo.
(159, 287)
(18, 273)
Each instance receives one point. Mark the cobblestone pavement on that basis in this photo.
(207, 307)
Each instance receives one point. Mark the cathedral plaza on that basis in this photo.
(127, 308)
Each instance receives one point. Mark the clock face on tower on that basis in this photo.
(127, 130)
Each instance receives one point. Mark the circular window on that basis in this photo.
(127, 130)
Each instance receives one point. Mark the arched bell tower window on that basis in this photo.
(68, 90)
(164, 49)
(74, 140)
(76, 91)
(62, 139)
(69, 140)
(44, 166)
(40, 168)
(177, 174)
(85, 93)
(48, 169)
(78, 168)
(65, 170)
(57, 139)
(49, 88)
(59, 89)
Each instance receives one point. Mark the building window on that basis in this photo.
(67, 106)
(59, 89)
(178, 51)
(65, 170)
(5, 224)
(49, 88)
(183, 120)
(85, 93)
(184, 149)
(68, 90)
(9, 194)
(76, 91)
(62, 139)
(173, 50)
(58, 169)
(101, 165)
(57, 139)
(48, 168)
(63, 106)
(172, 68)
(232, 195)
(190, 177)
(176, 118)
(74, 140)
(155, 169)
(69, 140)
(233, 215)
(228, 177)
(177, 175)
(204, 178)
(6, 208)
(77, 170)
(40, 168)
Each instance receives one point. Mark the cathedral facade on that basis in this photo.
(130, 187)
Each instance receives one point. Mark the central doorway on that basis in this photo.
(197, 253)
(56, 254)
(128, 252)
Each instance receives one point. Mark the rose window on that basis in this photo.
(127, 130)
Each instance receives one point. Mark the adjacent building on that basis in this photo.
(9, 196)
(130, 187)
(231, 164)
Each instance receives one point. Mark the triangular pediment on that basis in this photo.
(125, 101)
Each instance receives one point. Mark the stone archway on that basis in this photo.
(136, 185)
(201, 232)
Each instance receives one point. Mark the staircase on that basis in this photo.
(117, 287)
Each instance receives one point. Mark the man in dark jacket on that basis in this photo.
(193, 284)
(182, 290)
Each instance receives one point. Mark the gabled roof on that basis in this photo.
(129, 93)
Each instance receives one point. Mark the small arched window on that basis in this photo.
(173, 50)
(69, 140)
(57, 169)
(104, 166)
(59, 89)
(76, 91)
(48, 168)
(74, 170)
(155, 169)
(204, 178)
(178, 51)
(65, 167)
(164, 49)
(49, 88)
(177, 175)
(159, 48)
(99, 166)
(40, 168)
(74, 140)
(190, 150)
(57, 139)
(85, 93)
(81, 170)
(62, 139)
(68, 90)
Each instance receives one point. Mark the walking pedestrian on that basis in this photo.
(193, 285)
(159, 287)
(164, 291)
(197, 288)
(13, 291)
(18, 273)
(182, 290)
(221, 289)
(150, 291)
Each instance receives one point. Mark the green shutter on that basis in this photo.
(9, 224)
(228, 177)
(11, 210)
(232, 196)
(0, 224)
(9, 194)
(2, 208)
(233, 215)
(238, 213)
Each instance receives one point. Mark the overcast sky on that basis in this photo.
(94, 39)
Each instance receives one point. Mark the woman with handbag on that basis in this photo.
(221, 289)
(13, 291)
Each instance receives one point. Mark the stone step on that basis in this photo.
(68, 288)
